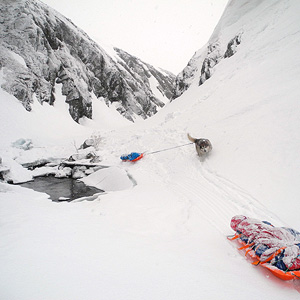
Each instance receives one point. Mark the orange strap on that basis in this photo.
(236, 236)
(246, 246)
(269, 258)
(247, 251)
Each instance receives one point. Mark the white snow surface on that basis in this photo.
(109, 179)
(154, 88)
(165, 236)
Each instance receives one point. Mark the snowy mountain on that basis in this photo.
(207, 57)
(164, 235)
(223, 44)
(40, 49)
(244, 82)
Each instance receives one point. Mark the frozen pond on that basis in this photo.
(61, 189)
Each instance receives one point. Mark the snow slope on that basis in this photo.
(165, 238)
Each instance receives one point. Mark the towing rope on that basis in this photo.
(167, 149)
(135, 156)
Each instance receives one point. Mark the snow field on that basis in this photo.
(165, 237)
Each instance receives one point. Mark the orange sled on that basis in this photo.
(284, 275)
(139, 157)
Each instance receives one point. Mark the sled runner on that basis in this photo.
(274, 248)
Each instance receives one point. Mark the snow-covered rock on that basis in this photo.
(202, 64)
(40, 47)
(78, 172)
(15, 172)
(109, 179)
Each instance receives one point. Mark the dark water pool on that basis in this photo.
(61, 189)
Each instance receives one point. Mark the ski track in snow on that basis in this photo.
(216, 198)
(237, 197)
(200, 186)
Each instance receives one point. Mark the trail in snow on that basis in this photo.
(237, 199)
(216, 198)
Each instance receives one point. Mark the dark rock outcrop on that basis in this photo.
(213, 58)
(183, 80)
(203, 62)
(232, 45)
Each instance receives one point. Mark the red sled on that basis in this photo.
(274, 248)
(289, 275)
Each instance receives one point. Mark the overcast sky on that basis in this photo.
(164, 33)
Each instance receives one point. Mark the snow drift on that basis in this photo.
(165, 238)
(249, 100)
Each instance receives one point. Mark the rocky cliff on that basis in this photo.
(40, 49)
(221, 46)
(203, 62)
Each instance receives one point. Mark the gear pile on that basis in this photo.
(275, 248)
